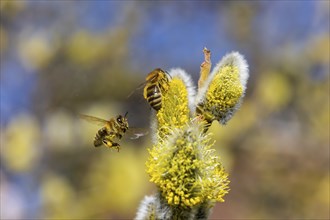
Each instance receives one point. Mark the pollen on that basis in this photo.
(174, 112)
(184, 169)
(224, 92)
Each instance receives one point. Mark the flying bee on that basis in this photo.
(155, 85)
(113, 130)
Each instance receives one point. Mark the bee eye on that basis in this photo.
(119, 120)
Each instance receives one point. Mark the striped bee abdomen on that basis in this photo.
(156, 86)
(98, 140)
(154, 97)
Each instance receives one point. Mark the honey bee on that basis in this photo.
(112, 130)
(156, 84)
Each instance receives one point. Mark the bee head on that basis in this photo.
(122, 121)
(163, 75)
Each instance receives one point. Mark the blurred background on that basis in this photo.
(62, 58)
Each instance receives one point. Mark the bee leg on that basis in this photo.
(107, 143)
(116, 145)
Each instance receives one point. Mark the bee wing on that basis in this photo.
(135, 133)
(92, 119)
(137, 88)
(145, 82)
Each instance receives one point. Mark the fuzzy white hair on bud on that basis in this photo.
(147, 208)
(233, 59)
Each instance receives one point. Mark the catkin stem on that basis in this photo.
(205, 67)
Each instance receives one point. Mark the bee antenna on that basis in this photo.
(168, 74)
(125, 114)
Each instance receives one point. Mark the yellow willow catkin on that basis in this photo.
(186, 170)
(174, 112)
(224, 91)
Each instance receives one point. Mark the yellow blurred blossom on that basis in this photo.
(273, 91)
(35, 50)
(57, 195)
(20, 150)
(11, 8)
(85, 48)
(116, 182)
